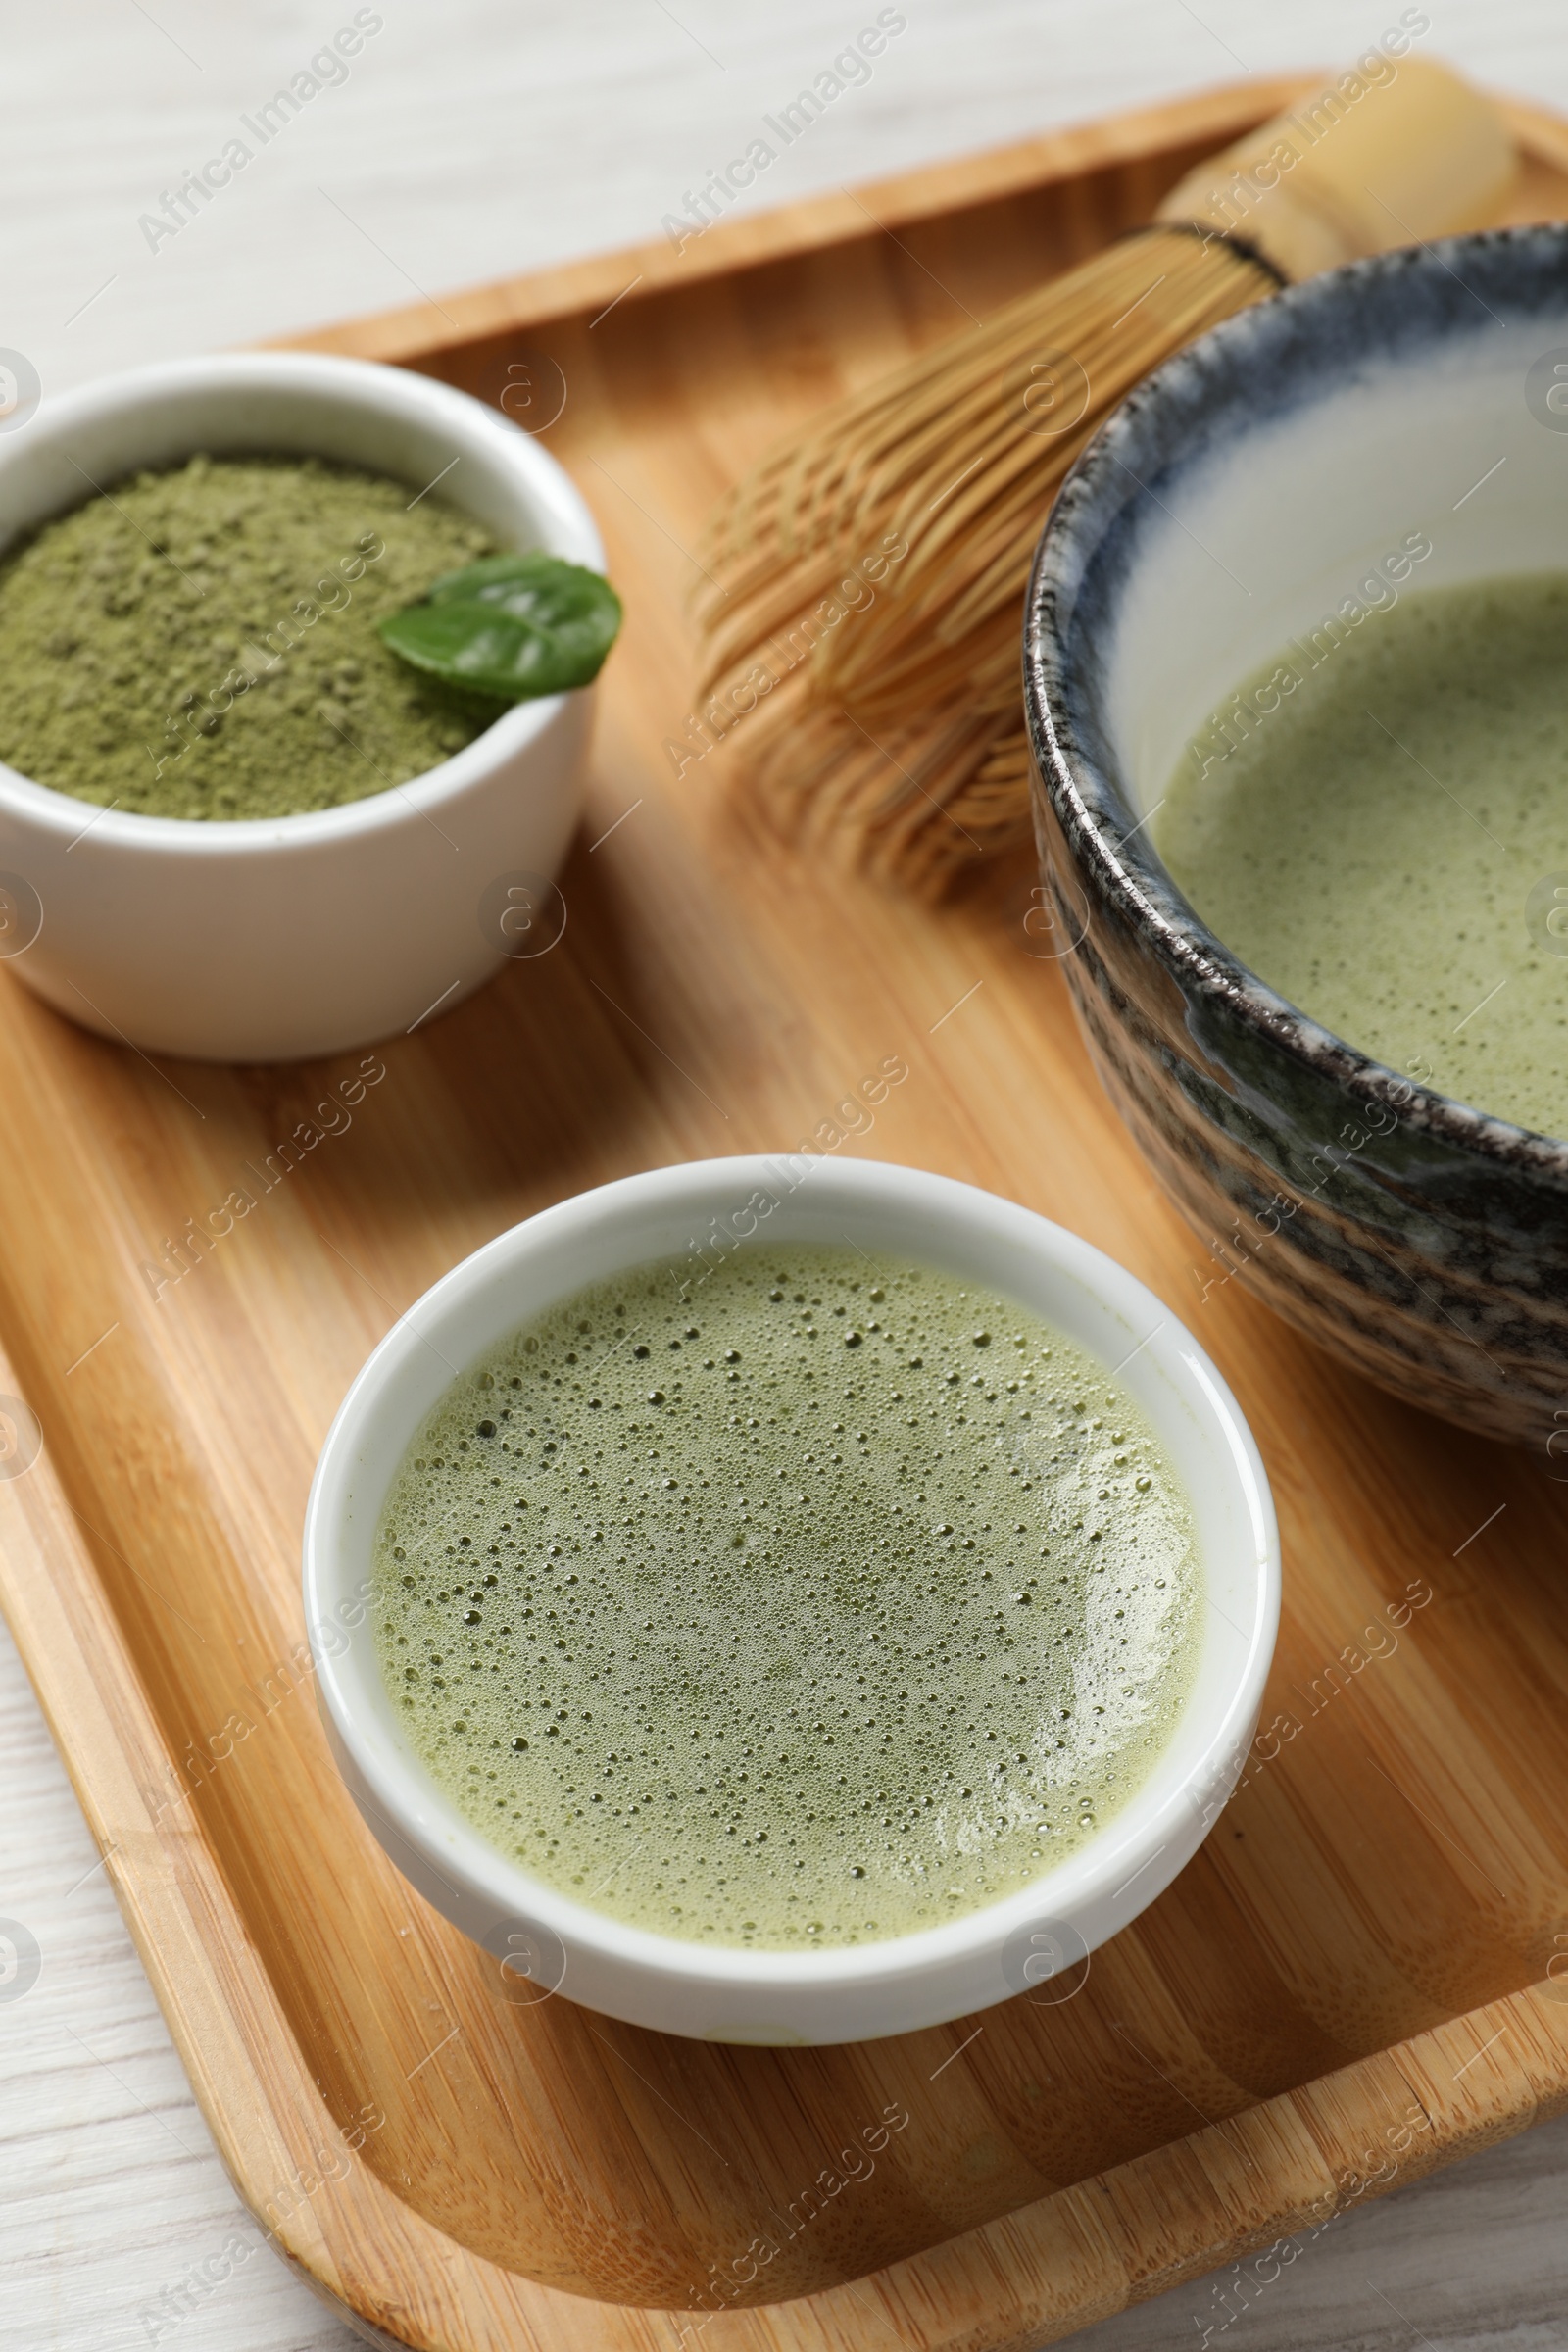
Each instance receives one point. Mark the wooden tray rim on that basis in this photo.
(407, 333)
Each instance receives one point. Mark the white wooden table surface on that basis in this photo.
(470, 138)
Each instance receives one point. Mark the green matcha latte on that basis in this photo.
(1384, 838)
(820, 1601)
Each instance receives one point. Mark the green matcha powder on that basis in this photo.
(202, 643)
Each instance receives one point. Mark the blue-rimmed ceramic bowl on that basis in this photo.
(1238, 498)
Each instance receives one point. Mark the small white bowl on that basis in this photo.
(269, 940)
(1034, 1942)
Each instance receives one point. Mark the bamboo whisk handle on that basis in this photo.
(1395, 151)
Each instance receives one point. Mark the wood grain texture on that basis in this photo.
(1348, 1986)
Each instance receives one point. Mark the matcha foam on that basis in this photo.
(1372, 847)
(201, 643)
(812, 1603)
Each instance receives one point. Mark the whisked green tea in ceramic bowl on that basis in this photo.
(1386, 843)
(813, 1603)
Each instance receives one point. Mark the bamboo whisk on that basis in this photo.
(874, 568)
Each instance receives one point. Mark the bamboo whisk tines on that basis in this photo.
(865, 581)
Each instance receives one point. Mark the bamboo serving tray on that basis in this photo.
(1353, 1983)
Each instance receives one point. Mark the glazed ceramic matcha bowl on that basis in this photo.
(1243, 496)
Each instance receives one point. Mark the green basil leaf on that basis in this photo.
(513, 626)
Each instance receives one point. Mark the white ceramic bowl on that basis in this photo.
(1035, 1941)
(269, 940)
